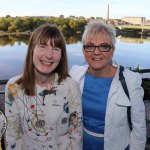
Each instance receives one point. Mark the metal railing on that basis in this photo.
(3, 82)
(142, 70)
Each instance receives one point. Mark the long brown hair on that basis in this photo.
(41, 35)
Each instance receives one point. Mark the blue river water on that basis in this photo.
(128, 52)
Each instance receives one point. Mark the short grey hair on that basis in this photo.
(95, 27)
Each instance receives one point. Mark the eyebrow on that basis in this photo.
(89, 43)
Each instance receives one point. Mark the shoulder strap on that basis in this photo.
(124, 85)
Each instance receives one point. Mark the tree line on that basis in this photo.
(27, 24)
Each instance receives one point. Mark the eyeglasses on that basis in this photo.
(104, 47)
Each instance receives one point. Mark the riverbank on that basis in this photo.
(15, 33)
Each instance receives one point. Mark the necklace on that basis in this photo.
(50, 88)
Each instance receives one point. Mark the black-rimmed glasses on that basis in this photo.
(104, 47)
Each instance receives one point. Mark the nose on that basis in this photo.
(49, 53)
(97, 51)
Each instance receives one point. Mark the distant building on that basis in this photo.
(117, 21)
(134, 20)
(147, 23)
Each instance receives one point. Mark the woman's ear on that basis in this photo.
(83, 51)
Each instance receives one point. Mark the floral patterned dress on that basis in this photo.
(50, 120)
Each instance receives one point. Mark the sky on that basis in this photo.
(85, 8)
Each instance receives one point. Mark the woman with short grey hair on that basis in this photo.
(104, 101)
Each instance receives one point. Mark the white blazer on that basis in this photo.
(117, 134)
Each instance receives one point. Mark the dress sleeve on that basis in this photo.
(75, 118)
(13, 132)
(138, 133)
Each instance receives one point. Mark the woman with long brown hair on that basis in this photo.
(40, 102)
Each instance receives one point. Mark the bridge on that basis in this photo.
(132, 27)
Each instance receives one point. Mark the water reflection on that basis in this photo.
(130, 52)
(12, 39)
(70, 39)
(133, 40)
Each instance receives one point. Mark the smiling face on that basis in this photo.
(98, 61)
(46, 58)
(46, 54)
